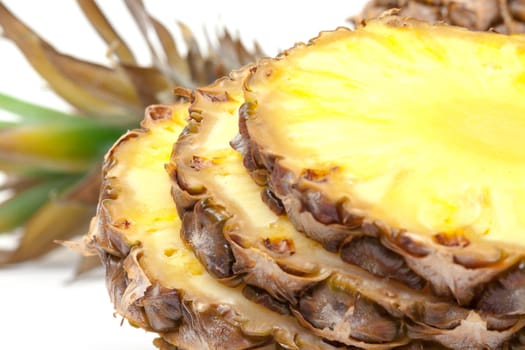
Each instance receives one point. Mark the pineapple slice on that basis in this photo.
(153, 279)
(237, 237)
(401, 135)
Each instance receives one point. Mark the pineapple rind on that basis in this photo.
(501, 16)
(153, 280)
(270, 254)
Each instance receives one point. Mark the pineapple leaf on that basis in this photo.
(66, 147)
(55, 220)
(38, 142)
(16, 210)
(152, 86)
(195, 58)
(23, 112)
(17, 184)
(85, 264)
(44, 59)
(86, 191)
(163, 49)
(232, 50)
(64, 215)
(182, 74)
(104, 28)
(106, 84)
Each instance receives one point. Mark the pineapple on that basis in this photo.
(397, 147)
(238, 238)
(411, 219)
(505, 16)
(52, 159)
(153, 279)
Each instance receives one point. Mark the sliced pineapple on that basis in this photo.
(401, 135)
(236, 236)
(153, 279)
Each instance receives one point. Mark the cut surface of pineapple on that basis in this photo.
(401, 131)
(154, 280)
(420, 128)
(237, 237)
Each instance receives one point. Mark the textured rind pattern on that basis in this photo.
(503, 16)
(182, 321)
(464, 275)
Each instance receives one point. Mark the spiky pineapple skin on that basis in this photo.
(502, 16)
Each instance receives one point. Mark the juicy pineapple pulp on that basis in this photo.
(237, 236)
(404, 132)
(153, 278)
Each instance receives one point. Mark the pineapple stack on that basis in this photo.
(359, 191)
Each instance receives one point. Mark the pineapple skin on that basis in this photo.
(468, 275)
(502, 16)
(230, 254)
(183, 321)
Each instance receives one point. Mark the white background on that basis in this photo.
(39, 307)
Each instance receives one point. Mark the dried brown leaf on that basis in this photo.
(199, 65)
(57, 220)
(38, 53)
(181, 73)
(189, 38)
(87, 190)
(85, 265)
(104, 28)
(152, 85)
(107, 84)
(141, 17)
(88, 256)
(161, 45)
(227, 50)
(18, 183)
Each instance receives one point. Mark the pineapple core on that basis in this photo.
(422, 128)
